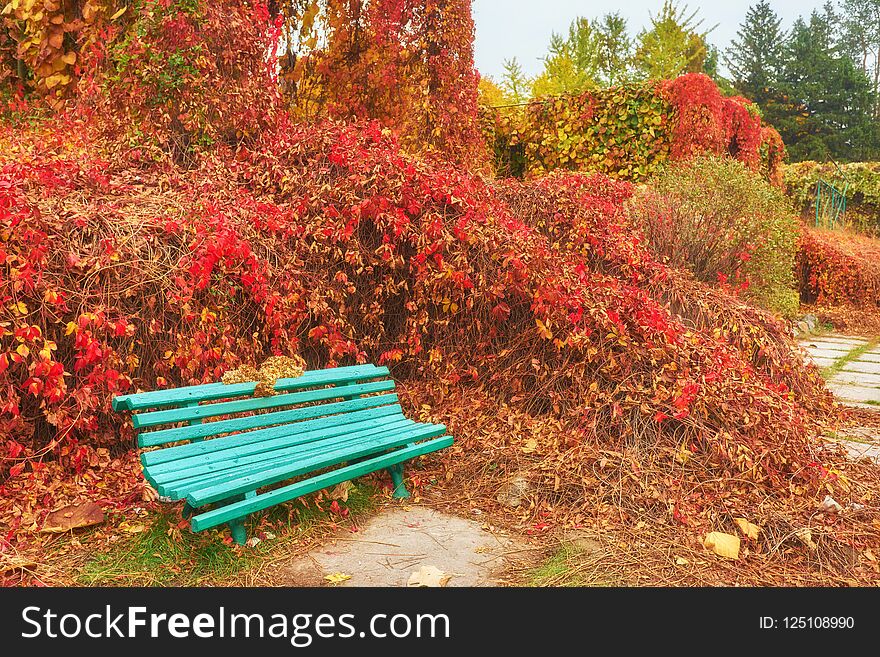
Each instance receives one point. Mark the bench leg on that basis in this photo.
(396, 472)
(239, 534)
(187, 511)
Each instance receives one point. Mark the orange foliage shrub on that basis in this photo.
(838, 267)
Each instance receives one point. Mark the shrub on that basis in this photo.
(862, 182)
(188, 73)
(629, 131)
(725, 224)
(838, 267)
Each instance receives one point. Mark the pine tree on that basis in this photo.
(755, 56)
(828, 99)
(860, 38)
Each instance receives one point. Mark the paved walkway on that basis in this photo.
(854, 380)
(411, 542)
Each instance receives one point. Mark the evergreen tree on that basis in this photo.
(860, 39)
(827, 99)
(755, 56)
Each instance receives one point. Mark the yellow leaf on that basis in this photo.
(119, 13)
(70, 328)
(428, 576)
(530, 446)
(543, 330)
(337, 578)
(747, 528)
(23, 350)
(19, 308)
(340, 491)
(724, 545)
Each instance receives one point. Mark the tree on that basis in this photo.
(673, 45)
(514, 82)
(615, 48)
(755, 56)
(826, 99)
(489, 93)
(572, 63)
(860, 39)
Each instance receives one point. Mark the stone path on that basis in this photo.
(397, 542)
(857, 382)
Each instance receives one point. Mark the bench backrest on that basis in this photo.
(318, 398)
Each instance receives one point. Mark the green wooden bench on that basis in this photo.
(323, 428)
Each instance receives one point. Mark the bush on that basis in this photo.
(629, 131)
(190, 73)
(862, 183)
(725, 224)
(837, 266)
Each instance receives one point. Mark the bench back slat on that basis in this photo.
(206, 429)
(189, 413)
(259, 437)
(211, 391)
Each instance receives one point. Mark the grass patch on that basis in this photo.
(848, 357)
(165, 555)
(572, 564)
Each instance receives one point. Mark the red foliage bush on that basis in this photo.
(838, 267)
(189, 74)
(406, 63)
(328, 241)
(707, 122)
(700, 127)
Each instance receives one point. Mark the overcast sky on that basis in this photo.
(522, 28)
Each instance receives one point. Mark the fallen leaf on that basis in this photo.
(748, 529)
(340, 491)
(8, 564)
(337, 578)
(73, 516)
(806, 537)
(428, 576)
(681, 561)
(530, 446)
(135, 529)
(724, 545)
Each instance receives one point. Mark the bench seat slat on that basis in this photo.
(292, 491)
(375, 440)
(187, 414)
(210, 391)
(246, 484)
(206, 449)
(202, 464)
(206, 429)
